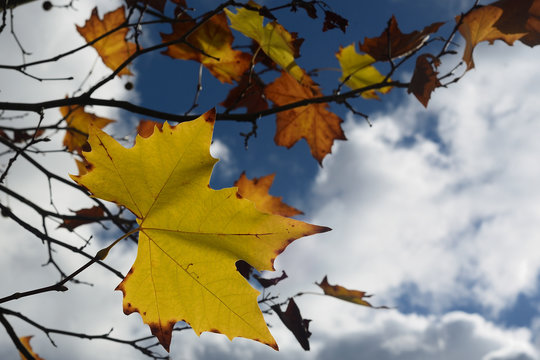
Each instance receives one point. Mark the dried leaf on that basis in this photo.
(478, 26)
(313, 122)
(266, 283)
(190, 236)
(249, 93)
(354, 296)
(333, 20)
(424, 79)
(520, 16)
(113, 49)
(295, 323)
(210, 44)
(78, 122)
(273, 39)
(400, 44)
(88, 216)
(257, 189)
(358, 73)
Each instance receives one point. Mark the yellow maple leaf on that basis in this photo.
(312, 122)
(25, 340)
(357, 71)
(210, 45)
(190, 236)
(113, 49)
(274, 40)
(257, 189)
(78, 121)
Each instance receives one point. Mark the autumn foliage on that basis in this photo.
(200, 250)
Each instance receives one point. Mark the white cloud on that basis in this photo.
(457, 217)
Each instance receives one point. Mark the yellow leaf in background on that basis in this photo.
(190, 236)
(210, 45)
(78, 122)
(25, 340)
(357, 71)
(273, 39)
(113, 49)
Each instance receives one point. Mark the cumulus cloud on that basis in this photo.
(445, 199)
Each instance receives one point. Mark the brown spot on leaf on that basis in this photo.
(210, 115)
(238, 196)
(163, 332)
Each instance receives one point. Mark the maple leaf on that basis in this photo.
(333, 20)
(146, 127)
(249, 93)
(357, 71)
(294, 322)
(113, 49)
(266, 283)
(190, 236)
(88, 216)
(25, 340)
(273, 39)
(424, 79)
(257, 189)
(210, 44)
(478, 26)
(78, 122)
(340, 292)
(392, 43)
(520, 16)
(312, 122)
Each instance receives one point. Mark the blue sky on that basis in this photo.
(433, 211)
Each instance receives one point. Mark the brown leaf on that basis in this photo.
(113, 49)
(333, 20)
(25, 340)
(210, 45)
(424, 79)
(400, 44)
(266, 283)
(257, 189)
(249, 93)
(90, 215)
(520, 16)
(312, 122)
(294, 322)
(244, 269)
(478, 26)
(354, 296)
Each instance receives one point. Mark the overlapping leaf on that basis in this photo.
(272, 38)
(357, 72)
(520, 16)
(190, 236)
(113, 49)
(86, 216)
(210, 44)
(392, 43)
(312, 122)
(295, 323)
(78, 122)
(249, 93)
(257, 189)
(478, 26)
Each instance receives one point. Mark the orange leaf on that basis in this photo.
(256, 190)
(424, 79)
(249, 93)
(88, 216)
(520, 16)
(210, 45)
(25, 340)
(354, 296)
(312, 122)
(400, 44)
(146, 127)
(78, 121)
(113, 49)
(478, 26)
